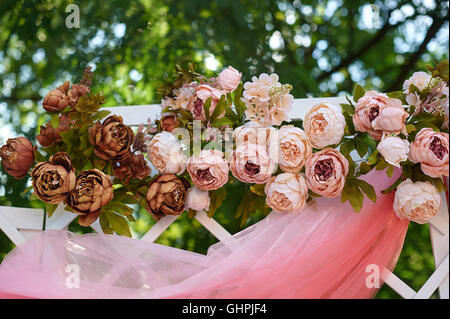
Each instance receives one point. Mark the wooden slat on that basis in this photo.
(439, 234)
(138, 114)
(159, 228)
(60, 218)
(216, 229)
(9, 229)
(434, 281)
(398, 285)
(24, 218)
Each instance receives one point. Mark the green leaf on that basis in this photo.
(39, 157)
(54, 122)
(367, 189)
(358, 93)
(381, 164)
(104, 224)
(410, 128)
(27, 190)
(118, 223)
(50, 209)
(390, 171)
(219, 109)
(364, 168)
(356, 199)
(346, 147)
(216, 198)
(361, 146)
(348, 108)
(100, 115)
(393, 186)
(206, 107)
(221, 122)
(372, 159)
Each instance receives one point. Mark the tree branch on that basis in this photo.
(405, 69)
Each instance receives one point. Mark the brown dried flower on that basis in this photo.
(93, 190)
(169, 122)
(134, 166)
(53, 180)
(112, 140)
(17, 156)
(167, 195)
(49, 135)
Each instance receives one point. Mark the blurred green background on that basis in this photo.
(320, 47)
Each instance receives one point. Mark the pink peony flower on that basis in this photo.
(229, 79)
(376, 114)
(201, 94)
(208, 170)
(286, 192)
(418, 202)
(430, 149)
(326, 171)
(251, 163)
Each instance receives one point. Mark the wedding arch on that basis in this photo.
(20, 224)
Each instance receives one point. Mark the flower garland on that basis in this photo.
(215, 131)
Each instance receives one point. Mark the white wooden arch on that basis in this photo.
(19, 224)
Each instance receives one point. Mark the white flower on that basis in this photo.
(254, 133)
(197, 199)
(419, 80)
(166, 154)
(267, 100)
(183, 97)
(418, 202)
(167, 101)
(394, 149)
(324, 124)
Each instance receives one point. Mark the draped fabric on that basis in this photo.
(326, 251)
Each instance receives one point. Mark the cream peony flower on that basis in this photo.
(293, 148)
(197, 199)
(286, 192)
(229, 79)
(208, 170)
(430, 149)
(418, 202)
(326, 171)
(166, 154)
(394, 149)
(254, 133)
(324, 124)
(378, 114)
(251, 163)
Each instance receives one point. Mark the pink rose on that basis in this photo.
(376, 114)
(430, 149)
(197, 199)
(251, 163)
(326, 171)
(286, 192)
(208, 170)
(201, 94)
(229, 79)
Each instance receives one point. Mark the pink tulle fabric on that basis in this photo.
(322, 252)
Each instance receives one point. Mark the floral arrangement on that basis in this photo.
(215, 131)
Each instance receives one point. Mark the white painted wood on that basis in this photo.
(216, 229)
(138, 114)
(398, 285)
(159, 228)
(22, 223)
(439, 234)
(10, 229)
(434, 281)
